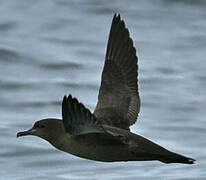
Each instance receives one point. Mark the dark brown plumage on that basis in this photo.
(105, 134)
(118, 101)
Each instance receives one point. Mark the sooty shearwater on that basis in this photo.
(105, 134)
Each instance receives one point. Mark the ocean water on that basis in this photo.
(54, 47)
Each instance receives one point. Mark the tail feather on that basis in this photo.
(176, 158)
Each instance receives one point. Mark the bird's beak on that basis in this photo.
(28, 132)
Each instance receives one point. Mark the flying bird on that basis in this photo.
(105, 135)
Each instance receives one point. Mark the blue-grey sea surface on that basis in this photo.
(55, 47)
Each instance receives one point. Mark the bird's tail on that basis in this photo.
(176, 158)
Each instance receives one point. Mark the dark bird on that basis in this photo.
(105, 134)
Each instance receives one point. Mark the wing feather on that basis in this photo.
(77, 119)
(118, 100)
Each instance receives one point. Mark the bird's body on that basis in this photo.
(105, 134)
(105, 148)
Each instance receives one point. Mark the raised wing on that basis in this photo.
(118, 101)
(77, 119)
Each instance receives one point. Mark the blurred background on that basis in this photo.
(54, 47)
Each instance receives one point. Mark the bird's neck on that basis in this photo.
(61, 141)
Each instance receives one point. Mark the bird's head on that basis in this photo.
(48, 129)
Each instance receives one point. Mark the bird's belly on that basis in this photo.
(100, 153)
(93, 149)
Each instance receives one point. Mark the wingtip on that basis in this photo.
(64, 102)
(70, 100)
(65, 97)
(117, 16)
(191, 161)
(67, 100)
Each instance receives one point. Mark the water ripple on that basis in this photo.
(7, 55)
(7, 26)
(60, 66)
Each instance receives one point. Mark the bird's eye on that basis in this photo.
(40, 126)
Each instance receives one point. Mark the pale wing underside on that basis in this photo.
(118, 101)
